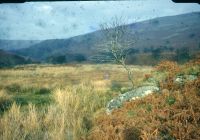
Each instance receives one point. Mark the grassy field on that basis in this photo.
(58, 101)
(171, 114)
(68, 102)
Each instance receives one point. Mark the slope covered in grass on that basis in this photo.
(10, 59)
(78, 97)
(174, 113)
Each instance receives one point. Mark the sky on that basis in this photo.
(55, 20)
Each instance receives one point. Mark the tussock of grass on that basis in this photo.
(72, 101)
(5, 101)
(70, 117)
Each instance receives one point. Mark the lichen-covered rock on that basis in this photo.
(181, 79)
(191, 77)
(131, 95)
(149, 86)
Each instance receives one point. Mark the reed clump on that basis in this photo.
(69, 117)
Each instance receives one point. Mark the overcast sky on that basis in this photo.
(47, 20)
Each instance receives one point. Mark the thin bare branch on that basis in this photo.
(119, 40)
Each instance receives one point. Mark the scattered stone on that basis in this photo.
(149, 86)
(181, 79)
(191, 77)
(131, 95)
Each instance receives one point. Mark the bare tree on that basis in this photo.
(119, 41)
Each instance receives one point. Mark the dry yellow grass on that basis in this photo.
(52, 76)
(70, 117)
(79, 92)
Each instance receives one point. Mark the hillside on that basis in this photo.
(8, 59)
(16, 44)
(164, 35)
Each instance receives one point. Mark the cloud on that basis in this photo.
(41, 23)
(45, 20)
(45, 8)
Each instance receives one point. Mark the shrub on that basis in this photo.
(168, 66)
(43, 91)
(171, 69)
(5, 101)
(5, 105)
(171, 115)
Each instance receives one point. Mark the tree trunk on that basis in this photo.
(129, 73)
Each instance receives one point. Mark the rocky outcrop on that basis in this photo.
(181, 79)
(150, 86)
(131, 95)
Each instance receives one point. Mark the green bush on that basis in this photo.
(42, 91)
(170, 100)
(5, 104)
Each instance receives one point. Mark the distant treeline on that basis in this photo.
(151, 55)
(68, 58)
(145, 56)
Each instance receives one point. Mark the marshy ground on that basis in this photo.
(42, 91)
(69, 102)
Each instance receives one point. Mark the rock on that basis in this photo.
(183, 78)
(191, 77)
(131, 95)
(149, 86)
(179, 79)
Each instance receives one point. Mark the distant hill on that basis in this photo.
(16, 44)
(156, 39)
(9, 59)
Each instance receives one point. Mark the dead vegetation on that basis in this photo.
(78, 110)
(174, 113)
